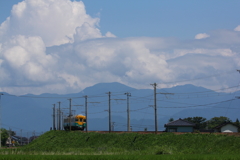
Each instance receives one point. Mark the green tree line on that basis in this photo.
(5, 134)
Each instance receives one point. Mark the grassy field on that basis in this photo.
(133, 143)
(119, 157)
(76, 145)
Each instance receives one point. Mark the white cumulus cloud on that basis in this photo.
(54, 46)
(55, 21)
(201, 36)
(25, 57)
(237, 28)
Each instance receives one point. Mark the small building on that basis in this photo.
(9, 142)
(226, 127)
(179, 126)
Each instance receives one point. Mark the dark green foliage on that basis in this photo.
(4, 136)
(199, 121)
(81, 143)
(215, 121)
(237, 123)
(170, 120)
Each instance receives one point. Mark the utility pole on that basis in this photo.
(86, 112)
(113, 126)
(73, 112)
(155, 106)
(70, 113)
(56, 116)
(109, 111)
(54, 127)
(27, 138)
(0, 121)
(59, 116)
(62, 121)
(128, 111)
(9, 135)
(21, 137)
(34, 135)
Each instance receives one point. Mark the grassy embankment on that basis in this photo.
(80, 143)
(120, 157)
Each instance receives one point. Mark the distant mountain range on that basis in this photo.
(34, 112)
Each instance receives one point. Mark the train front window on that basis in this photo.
(81, 119)
(76, 119)
(84, 120)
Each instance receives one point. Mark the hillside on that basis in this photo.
(61, 142)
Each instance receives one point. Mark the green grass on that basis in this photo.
(81, 143)
(119, 157)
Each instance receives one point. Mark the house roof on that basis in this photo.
(224, 124)
(180, 122)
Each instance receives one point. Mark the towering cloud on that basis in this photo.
(54, 46)
(55, 21)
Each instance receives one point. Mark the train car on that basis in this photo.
(77, 122)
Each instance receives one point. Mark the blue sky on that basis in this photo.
(156, 18)
(63, 46)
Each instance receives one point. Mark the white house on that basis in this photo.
(226, 127)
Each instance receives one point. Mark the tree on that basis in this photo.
(170, 120)
(215, 121)
(200, 122)
(237, 122)
(4, 136)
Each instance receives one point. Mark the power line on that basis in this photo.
(210, 90)
(186, 80)
(201, 104)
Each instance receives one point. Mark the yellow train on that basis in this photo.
(77, 122)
